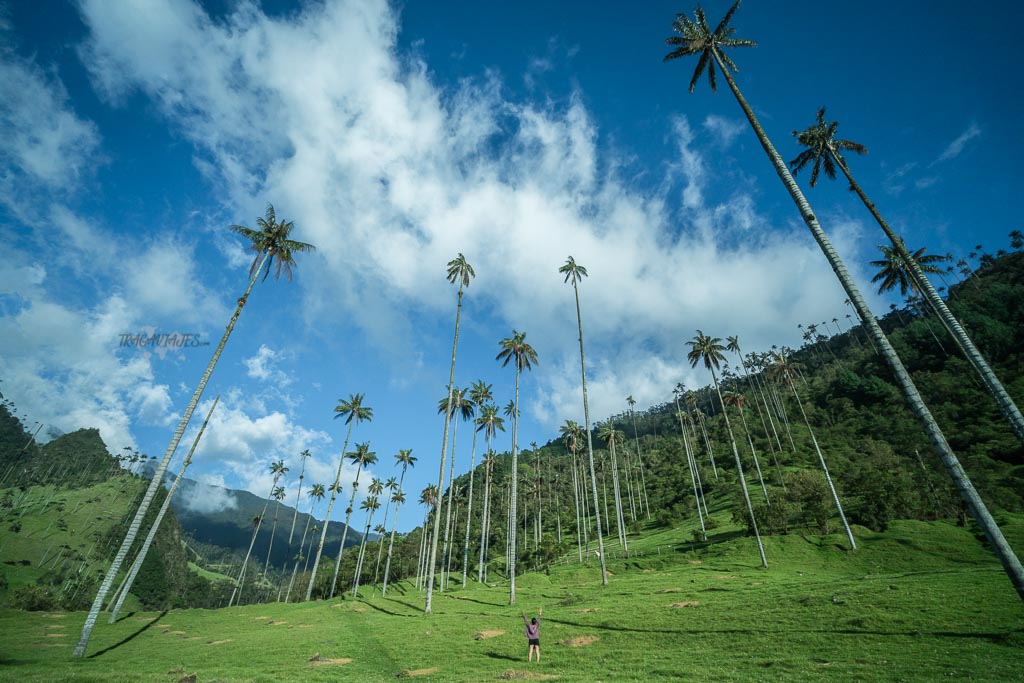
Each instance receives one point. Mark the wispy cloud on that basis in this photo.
(955, 148)
(724, 129)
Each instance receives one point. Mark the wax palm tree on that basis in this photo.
(126, 585)
(485, 531)
(739, 402)
(272, 245)
(354, 412)
(516, 350)
(575, 273)
(480, 395)
(362, 457)
(636, 436)
(459, 271)
(784, 370)
(607, 433)
(894, 271)
(459, 405)
(697, 38)
(734, 346)
(428, 498)
(909, 269)
(407, 460)
(572, 434)
(278, 469)
(303, 456)
(316, 494)
(277, 495)
(690, 460)
(391, 485)
(370, 505)
(707, 349)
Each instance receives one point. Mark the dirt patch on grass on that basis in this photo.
(56, 635)
(512, 675)
(318, 659)
(686, 603)
(417, 672)
(696, 562)
(177, 633)
(305, 625)
(588, 610)
(484, 635)
(54, 616)
(668, 590)
(221, 642)
(55, 626)
(259, 618)
(579, 641)
(756, 583)
(359, 609)
(276, 623)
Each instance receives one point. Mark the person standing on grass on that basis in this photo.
(533, 634)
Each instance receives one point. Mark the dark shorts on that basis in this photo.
(535, 641)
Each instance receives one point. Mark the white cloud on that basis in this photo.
(957, 146)
(263, 366)
(724, 129)
(391, 175)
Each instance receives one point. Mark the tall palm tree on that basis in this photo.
(460, 405)
(141, 556)
(362, 457)
(515, 348)
(303, 456)
(370, 505)
(610, 435)
(572, 434)
(407, 460)
(575, 272)
(428, 498)
(696, 38)
(739, 402)
(272, 246)
(707, 349)
(316, 494)
(893, 272)
(734, 347)
(490, 422)
(825, 150)
(690, 461)
(381, 529)
(278, 469)
(636, 437)
(459, 271)
(480, 395)
(784, 369)
(277, 495)
(354, 412)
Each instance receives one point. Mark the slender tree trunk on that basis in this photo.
(133, 529)
(448, 513)
(707, 444)
(270, 546)
(295, 516)
(469, 510)
(344, 530)
(576, 499)
(513, 495)
(640, 460)
(590, 445)
(327, 517)
(760, 415)
(620, 523)
(444, 450)
(241, 575)
(141, 557)
(753, 452)
(391, 541)
(298, 558)
(949, 321)
(485, 518)
(1011, 564)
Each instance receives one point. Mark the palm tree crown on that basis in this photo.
(573, 270)
(515, 347)
(706, 348)
(272, 239)
(460, 271)
(894, 270)
(695, 37)
(823, 148)
(354, 409)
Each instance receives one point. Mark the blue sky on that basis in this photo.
(396, 136)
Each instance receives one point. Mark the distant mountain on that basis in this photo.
(223, 517)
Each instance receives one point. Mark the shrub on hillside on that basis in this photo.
(32, 599)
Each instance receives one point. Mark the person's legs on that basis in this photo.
(530, 656)
(538, 653)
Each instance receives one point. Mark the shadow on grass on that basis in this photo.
(996, 637)
(118, 621)
(131, 637)
(386, 611)
(480, 602)
(495, 655)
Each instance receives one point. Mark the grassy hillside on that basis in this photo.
(922, 601)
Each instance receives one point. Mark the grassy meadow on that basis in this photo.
(923, 601)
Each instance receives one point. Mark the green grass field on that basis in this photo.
(923, 601)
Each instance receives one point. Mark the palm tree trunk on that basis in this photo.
(949, 321)
(753, 452)
(576, 499)
(298, 558)
(295, 516)
(448, 512)
(469, 510)
(273, 530)
(444, 450)
(391, 541)
(619, 521)
(158, 475)
(380, 545)
(739, 471)
(327, 517)
(707, 444)
(1011, 564)
(590, 445)
(238, 584)
(362, 554)
(760, 415)
(643, 482)
(824, 468)
(692, 465)
(512, 495)
(344, 530)
(141, 557)
(485, 518)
